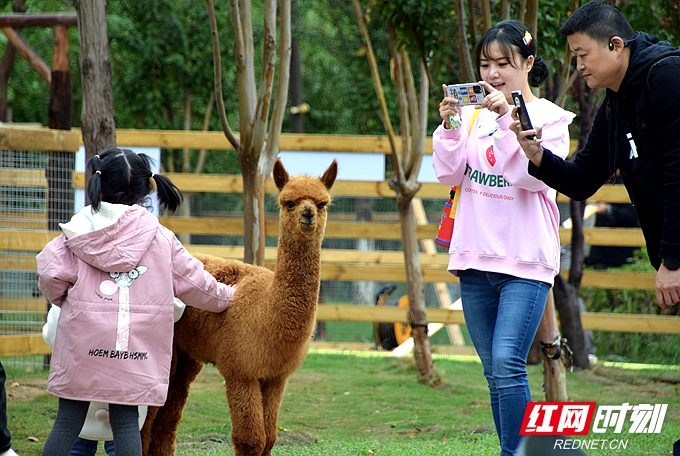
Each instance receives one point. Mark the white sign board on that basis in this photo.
(351, 166)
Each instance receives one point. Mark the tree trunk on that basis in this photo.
(98, 123)
(467, 68)
(554, 370)
(252, 193)
(417, 315)
(567, 291)
(7, 64)
(566, 301)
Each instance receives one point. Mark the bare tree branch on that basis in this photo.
(505, 10)
(264, 94)
(376, 81)
(414, 115)
(402, 104)
(420, 131)
(281, 99)
(217, 59)
(562, 96)
(486, 13)
(531, 17)
(206, 123)
(465, 60)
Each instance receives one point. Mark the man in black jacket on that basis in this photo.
(637, 131)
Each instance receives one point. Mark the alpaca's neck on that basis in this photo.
(296, 277)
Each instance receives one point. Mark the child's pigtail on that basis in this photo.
(94, 184)
(168, 194)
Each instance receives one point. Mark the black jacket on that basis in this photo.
(647, 105)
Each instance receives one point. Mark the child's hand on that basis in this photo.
(494, 100)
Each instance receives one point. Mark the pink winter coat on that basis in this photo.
(114, 274)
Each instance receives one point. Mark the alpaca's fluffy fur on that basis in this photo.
(263, 337)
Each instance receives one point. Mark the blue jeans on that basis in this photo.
(84, 447)
(502, 314)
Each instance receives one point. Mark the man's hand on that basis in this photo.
(667, 285)
(531, 147)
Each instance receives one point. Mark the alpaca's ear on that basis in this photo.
(280, 174)
(329, 176)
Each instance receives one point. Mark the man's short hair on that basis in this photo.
(600, 21)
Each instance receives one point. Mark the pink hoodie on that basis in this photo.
(115, 275)
(506, 221)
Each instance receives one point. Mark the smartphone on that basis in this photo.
(522, 113)
(470, 93)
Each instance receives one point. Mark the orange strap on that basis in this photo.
(456, 196)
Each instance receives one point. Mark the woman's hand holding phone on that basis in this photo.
(449, 111)
(495, 100)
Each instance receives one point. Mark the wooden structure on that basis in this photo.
(343, 265)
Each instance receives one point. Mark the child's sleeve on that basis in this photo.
(195, 286)
(57, 270)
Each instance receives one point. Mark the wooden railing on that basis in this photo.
(345, 265)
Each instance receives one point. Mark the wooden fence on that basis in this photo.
(337, 265)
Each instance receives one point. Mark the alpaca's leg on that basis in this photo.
(164, 430)
(247, 427)
(272, 395)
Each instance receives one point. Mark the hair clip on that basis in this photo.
(527, 38)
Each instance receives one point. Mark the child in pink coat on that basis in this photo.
(114, 272)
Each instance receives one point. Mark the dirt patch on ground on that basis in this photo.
(24, 390)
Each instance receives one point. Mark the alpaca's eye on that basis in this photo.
(290, 204)
(320, 206)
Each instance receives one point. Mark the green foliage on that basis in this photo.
(159, 51)
(419, 23)
(656, 17)
(335, 74)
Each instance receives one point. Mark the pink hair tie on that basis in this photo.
(98, 156)
(98, 172)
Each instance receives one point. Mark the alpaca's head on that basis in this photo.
(303, 200)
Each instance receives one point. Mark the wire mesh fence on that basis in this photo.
(36, 194)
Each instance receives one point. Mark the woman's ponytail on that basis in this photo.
(539, 72)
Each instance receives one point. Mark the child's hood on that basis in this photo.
(112, 239)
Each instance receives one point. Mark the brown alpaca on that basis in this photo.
(263, 337)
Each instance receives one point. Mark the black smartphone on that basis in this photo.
(522, 113)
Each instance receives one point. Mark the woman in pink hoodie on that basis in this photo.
(114, 272)
(505, 246)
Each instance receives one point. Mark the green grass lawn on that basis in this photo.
(363, 404)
